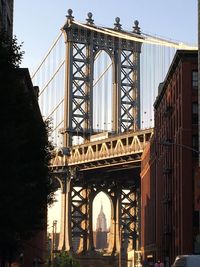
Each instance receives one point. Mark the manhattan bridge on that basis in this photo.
(98, 86)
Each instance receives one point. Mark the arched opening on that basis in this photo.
(102, 92)
(101, 221)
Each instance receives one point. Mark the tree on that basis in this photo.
(65, 260)
(25, 185)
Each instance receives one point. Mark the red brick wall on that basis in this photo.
(171, 171)
(147, 203)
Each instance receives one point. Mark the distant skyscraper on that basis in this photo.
(101, 221)
(100, 236)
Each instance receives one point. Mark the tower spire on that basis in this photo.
(101, 210)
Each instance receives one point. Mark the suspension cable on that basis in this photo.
(52, 77)
(132, 37)
(47, 54)
(102, 74)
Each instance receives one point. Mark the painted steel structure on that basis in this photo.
(111, 165)
(111, 87)
(82, 46)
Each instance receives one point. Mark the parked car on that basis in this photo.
(187, 261)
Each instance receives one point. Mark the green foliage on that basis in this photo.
(10, 52)
(65, 260)
(25, 184)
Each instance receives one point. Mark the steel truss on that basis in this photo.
(77, 232)
(82, 45)
(83, 175)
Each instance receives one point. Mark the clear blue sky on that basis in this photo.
(37, 22)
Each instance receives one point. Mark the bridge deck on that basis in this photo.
(112, 151)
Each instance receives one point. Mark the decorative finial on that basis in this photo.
(89, 18)
(136, 28)
(69, 16)
(117, 24)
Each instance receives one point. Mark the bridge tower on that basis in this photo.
(83, 42)
(109, 165)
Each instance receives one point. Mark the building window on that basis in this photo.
(194, 113)
(195, 79)
(194, 108)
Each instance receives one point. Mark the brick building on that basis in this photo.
(170, 167)
(34, 249)
(148, 197)
(6, 16)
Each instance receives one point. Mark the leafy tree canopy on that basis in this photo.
(10, 52)
(25, 187)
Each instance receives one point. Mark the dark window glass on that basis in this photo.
(195, 79)
(194, 113)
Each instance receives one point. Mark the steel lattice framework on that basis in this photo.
(111, 166)
(82, 47)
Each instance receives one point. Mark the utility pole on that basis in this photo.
(53, 243)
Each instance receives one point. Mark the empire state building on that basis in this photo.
(101, 221)
(101, 231)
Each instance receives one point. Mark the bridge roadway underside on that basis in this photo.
(120, 176)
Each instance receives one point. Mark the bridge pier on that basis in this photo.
(65, 241)
(83, 177)
(76, 233)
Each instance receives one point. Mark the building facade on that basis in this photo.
(6, 16)
(199, 66)
(171, 165)
(32, 249)
(101, 233)
(148, 204)
(35, 248)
